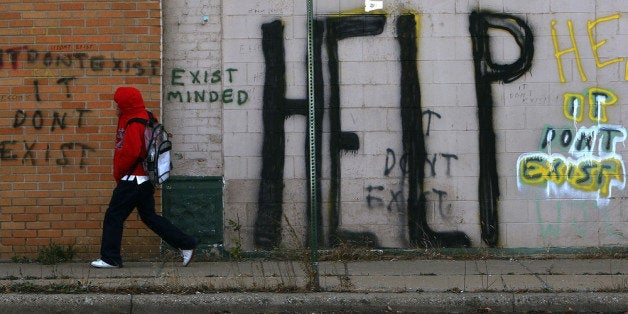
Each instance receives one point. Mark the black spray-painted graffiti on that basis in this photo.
(277, 108)
(413, 141)
(487, 72)
(80, 60)
(339, 28)
(66, 152)
(44, 61)
(374, 197)
(41, 63)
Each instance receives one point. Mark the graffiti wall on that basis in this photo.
(60, 63)
(451, 123)
(457, 124)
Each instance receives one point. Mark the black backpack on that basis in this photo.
(156, 163)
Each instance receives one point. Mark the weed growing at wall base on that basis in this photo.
(235, 252)
(54, 253)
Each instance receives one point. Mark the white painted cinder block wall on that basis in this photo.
(225, 136)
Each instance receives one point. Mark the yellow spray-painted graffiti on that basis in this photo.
(593, 42)
(593, 164)
(598, 98)
(559, 53)
(585, 174)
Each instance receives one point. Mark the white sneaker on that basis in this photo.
(187, 256)
(102, 264)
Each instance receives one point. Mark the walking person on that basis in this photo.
(134, 189)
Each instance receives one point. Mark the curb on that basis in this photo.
(316, 303)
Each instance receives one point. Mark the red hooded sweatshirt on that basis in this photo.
(130, 138)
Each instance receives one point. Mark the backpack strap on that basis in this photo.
(145, 123)
(151, 117)
(139, 120)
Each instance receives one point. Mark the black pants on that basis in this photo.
(127, 196)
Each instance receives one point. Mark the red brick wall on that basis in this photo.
(60, 62)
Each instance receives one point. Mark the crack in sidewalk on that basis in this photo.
(546, 286)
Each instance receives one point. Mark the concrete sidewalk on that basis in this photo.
(580, 285)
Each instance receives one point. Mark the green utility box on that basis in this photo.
(194, 204)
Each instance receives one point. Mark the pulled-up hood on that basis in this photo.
(129, 100)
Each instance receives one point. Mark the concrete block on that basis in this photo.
(381, 49)
(243, 50)
(236, 26)
(352, 166)
(246, 144)
(365, 73)
(235, 168)
(444, 25)
(492, 5)
(572, 6)
(235, 120)
(534, 6)
(254, 166)
(438, 48)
